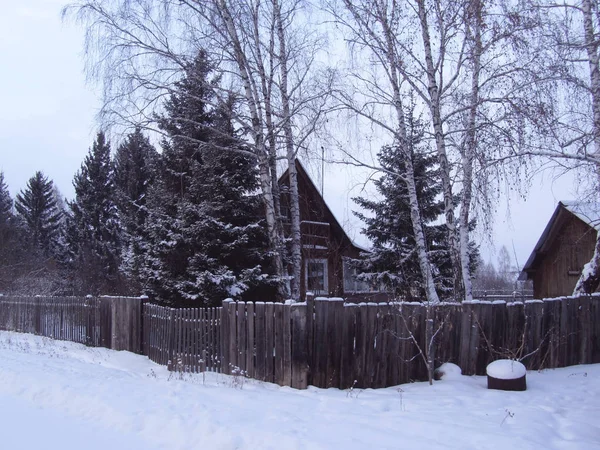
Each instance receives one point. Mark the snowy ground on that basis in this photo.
(60, 395)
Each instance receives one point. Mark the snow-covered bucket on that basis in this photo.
(506, 375)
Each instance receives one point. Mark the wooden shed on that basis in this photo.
(326, 247)
(566, 244)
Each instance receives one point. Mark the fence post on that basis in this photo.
(310, 333)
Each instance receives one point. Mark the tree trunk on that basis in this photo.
(590, 276)
(473, 21)
(296, 238)
(409, 177)
(436, 114)
(275, 237)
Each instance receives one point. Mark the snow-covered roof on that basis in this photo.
(589, 212)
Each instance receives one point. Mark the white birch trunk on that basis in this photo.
(409, 176)
(275, 238)
(588, 281)
(470, 147)
(296, 238)
(436, 115)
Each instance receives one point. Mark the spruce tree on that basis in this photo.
(10, 245)
(135, 166)
(39, 211)
(93, 230)
(208, 240)
(6, 204)
(393, 262)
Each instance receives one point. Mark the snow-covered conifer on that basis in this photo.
(93, 229)
(208, 242)
(134, 170)
(393, 262)
(42, 218)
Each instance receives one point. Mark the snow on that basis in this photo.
(506, 369)
(61, 395)
(589, 212)
(449, 371)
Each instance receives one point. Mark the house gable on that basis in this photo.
(325, 244)
(566, 244)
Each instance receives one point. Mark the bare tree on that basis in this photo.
(571, 140)
(470, 69)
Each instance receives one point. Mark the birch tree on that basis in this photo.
(572, 141)
(470, 71)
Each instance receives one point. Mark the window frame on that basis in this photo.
(325, 263)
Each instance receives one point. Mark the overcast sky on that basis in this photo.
(47, 123)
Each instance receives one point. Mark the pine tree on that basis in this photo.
(93, 230)
(208, 242)
(135, 166)
(37, 207)
(393, 262)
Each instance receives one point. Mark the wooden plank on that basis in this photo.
(347, 376)
(554, 332)
(381, 347)
(370, 345)
(287, 346)
(261, 342)
(224, 348)
(310, 324)
(250, 350)
(241, 337)
(334, 360)
(269, 339)
(584, 325)
(595, 333)
(393, 347)
(299, 346)
(233, 344)
(278, 330)
(360, 345)
(483, 322)
(321, 342)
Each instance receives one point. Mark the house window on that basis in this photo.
(316, 276)
(351, 284)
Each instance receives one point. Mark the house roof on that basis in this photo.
(302, 171)
(587, 212)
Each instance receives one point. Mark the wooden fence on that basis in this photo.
(111, 322)
(186, 339)
(323, 342)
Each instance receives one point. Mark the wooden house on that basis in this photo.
(326, 247)
(566, 244)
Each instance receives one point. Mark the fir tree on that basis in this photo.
(10, 245)
(393, 261)
(208, 242)
(93, 229)
(37, 207)
(6, 203)
(134, 171)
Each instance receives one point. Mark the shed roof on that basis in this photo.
(587, 212)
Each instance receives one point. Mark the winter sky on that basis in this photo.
(47, 123)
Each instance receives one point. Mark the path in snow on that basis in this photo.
(56, 395)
